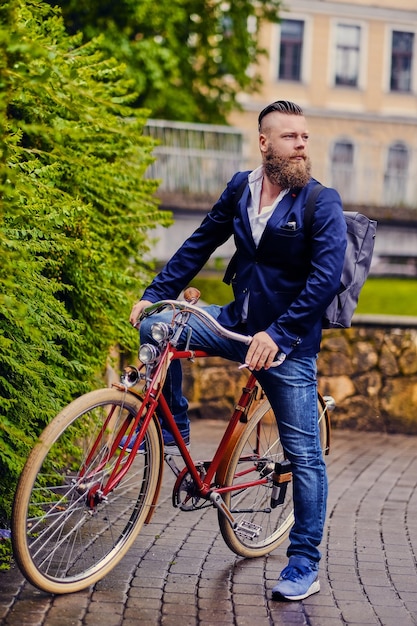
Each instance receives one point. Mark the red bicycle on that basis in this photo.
(93, 478)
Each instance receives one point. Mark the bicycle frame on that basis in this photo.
(153, 399)
(76, 515)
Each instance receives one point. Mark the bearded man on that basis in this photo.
(283, 279)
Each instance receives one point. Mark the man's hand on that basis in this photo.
(137, 310)
(262, 352)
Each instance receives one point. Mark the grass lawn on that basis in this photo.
(389, 296)
(384, 296)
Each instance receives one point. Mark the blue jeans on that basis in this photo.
(291, 389)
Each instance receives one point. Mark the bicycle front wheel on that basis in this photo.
(63, 539)
(260, 528)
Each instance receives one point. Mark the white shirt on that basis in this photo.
(258, 219)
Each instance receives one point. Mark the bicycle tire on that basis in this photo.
(260, 528)
(61, 544)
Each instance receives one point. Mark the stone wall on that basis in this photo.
(370, 372)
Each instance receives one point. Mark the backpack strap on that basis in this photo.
(311, 206)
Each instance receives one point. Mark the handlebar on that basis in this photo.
(203, 316)
(191, 296)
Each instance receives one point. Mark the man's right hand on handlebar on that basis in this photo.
(262, 349)
(262, 352)
(137, 311)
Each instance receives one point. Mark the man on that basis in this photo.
(283, 279)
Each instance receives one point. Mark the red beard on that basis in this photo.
(285, 172)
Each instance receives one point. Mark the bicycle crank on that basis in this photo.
(184, 494)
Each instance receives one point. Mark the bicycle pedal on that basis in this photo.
(248, 530)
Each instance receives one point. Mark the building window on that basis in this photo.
(396, 175)
(342, 172)
(401, 60)
(291, 47)
(347, 55)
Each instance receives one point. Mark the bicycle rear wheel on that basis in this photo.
(260, 528)
(63, 542)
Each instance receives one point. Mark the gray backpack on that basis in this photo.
(360, 246)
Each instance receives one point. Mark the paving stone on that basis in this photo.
(209, 617)
(181, 572)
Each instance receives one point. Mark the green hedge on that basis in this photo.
(74, 219)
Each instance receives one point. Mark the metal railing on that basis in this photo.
(201, 158)
(194, 158)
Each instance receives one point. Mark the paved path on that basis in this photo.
(181, 573)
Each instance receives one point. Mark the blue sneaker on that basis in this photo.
(297, 581)
(169, 442)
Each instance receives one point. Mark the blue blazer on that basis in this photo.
(291, 277)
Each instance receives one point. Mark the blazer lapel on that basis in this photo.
(243, 213)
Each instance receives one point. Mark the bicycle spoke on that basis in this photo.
(260, 528)
(68, 532)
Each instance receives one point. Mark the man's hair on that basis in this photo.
(282, 106)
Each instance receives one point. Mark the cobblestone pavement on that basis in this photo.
(181, 573)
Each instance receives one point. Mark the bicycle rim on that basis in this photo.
(63, 544)
(260, 528)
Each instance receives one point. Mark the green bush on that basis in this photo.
(190, 59)
(74, 215)
(5, 554)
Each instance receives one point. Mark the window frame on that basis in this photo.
(362, 53)
(399, 55)
(275, 54)
(343, 176)
(395, 180)
(345, 49)
(406, 28)
(294, 45)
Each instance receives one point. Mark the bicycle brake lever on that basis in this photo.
(279, 360)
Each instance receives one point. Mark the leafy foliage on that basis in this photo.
(189, 58)
(5, 554)
(74, 215)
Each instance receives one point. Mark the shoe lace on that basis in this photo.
(294, 572)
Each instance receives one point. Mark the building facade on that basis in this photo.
(352, 66)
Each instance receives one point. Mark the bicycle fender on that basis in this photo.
(224, 463)
(160, 473)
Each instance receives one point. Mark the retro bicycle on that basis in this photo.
(93, 478)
